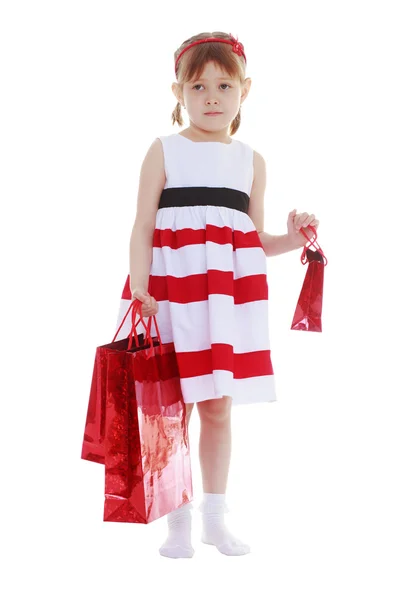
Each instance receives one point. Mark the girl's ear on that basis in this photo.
(246, 88)
(177, 92)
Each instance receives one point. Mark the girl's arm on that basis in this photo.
(151, 184)
(277, 244)
(272, 244)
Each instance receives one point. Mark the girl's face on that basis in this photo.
(215, 91)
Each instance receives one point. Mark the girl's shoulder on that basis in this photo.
(176, 137)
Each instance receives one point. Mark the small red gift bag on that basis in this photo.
(307, 316)
(146, 447)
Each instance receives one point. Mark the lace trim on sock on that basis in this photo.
(207, 508)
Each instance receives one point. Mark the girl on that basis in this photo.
(198, 261)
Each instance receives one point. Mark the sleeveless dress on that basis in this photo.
(209, 274)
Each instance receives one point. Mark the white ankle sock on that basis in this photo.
(214, 530)
(178, 542)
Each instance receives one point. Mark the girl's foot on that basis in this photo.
(214, 530)
(178, 542)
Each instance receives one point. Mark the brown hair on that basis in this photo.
(192, 64)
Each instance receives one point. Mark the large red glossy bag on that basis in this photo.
(145, 442)
(308, 313)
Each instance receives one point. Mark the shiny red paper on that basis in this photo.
(93, 446)
(308, 313)
(136, 425)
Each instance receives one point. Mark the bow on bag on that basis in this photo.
(307, 316)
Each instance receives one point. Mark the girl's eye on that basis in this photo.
(198, 84)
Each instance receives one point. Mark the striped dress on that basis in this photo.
(209, 274)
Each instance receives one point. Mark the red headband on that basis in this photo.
(237, 47)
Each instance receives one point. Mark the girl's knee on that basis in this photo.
(216, 410)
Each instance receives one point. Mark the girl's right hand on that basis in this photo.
(149, 306)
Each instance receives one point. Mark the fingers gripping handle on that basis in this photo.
(135, 307)
(312, 243)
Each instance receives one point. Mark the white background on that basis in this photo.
(317, 482)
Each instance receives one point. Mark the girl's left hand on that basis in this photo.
(297, 221)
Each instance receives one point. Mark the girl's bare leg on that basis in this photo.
(215, 445)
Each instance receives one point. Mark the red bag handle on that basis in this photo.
(312, 241)
(134, 306)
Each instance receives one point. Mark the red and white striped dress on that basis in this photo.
(209, 274)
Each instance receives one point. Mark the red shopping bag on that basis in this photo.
(147, 453)
(142, 437)
(307, 316)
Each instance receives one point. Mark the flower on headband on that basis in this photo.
(237, 46)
